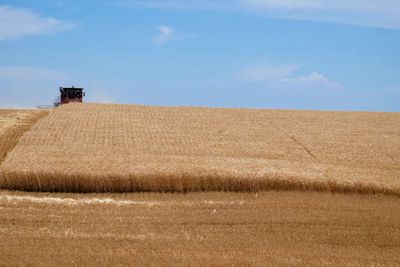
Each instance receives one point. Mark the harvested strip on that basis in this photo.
(272, 228)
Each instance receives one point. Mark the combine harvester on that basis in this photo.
(67, 95)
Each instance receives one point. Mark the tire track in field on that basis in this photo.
(303, 146)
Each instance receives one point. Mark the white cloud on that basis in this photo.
(17, 22)
(177, 4)
(165, 35)
(314, 80)
(369, 13)
(168, 34)
(21, 74)
(266, 73)
(284, 76)
(29, 86)
(284, 3)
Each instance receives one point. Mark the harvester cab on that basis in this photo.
(72, 94)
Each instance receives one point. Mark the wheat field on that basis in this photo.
(96, 148)
(133, 148)
(13, 124)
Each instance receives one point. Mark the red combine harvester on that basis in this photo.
(68, 95)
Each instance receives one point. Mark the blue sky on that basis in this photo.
(286, 54)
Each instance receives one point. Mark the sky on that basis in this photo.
(274, 54)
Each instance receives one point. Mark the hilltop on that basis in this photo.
(130, 148)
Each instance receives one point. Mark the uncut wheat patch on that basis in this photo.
(129, 148)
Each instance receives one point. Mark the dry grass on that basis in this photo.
(199, 229)
(129, 148)
(13, 124)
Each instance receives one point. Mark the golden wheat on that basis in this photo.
(13, 124)
(129, 148)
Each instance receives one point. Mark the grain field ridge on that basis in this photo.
(98, 148)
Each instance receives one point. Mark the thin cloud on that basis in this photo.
(287, 4)
(168, 34)
(284, 76)
(368, 13)
(17, 22)
(165, 35)
(266, 73)
(29, 86)
(314, 80)
(12, 73)
(177, 4)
